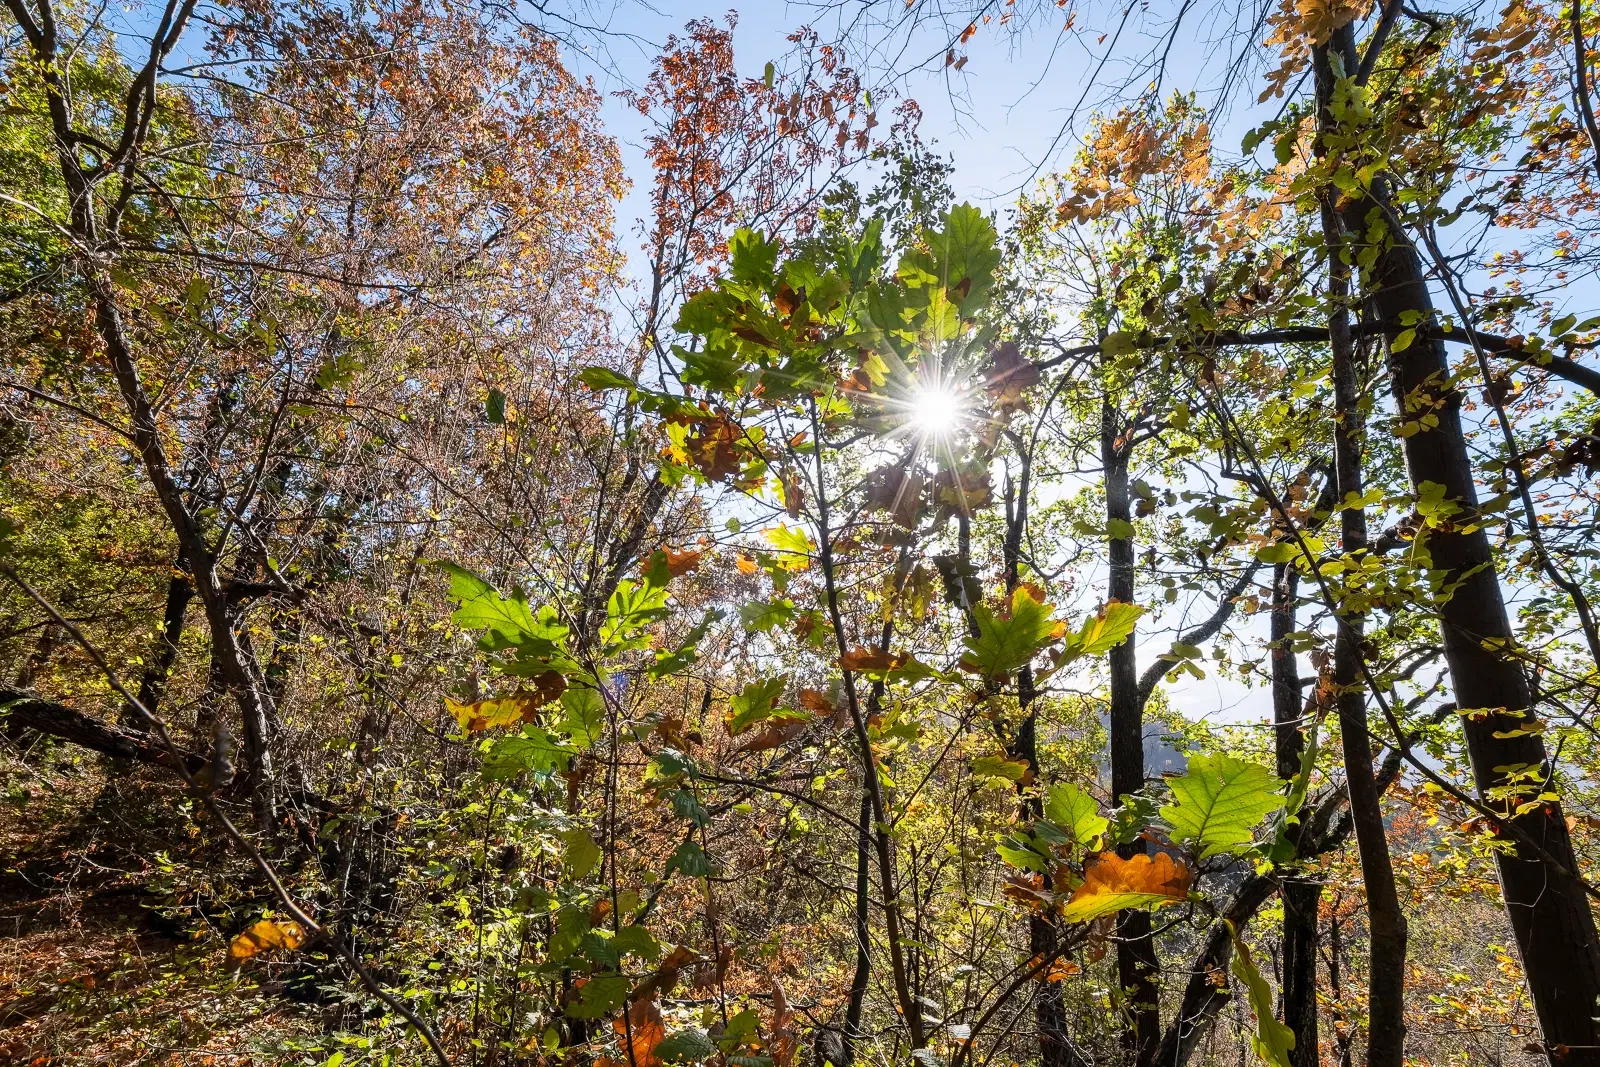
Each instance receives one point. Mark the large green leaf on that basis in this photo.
(1220, 802)
(1106, 630)
(1075, 812)
(532, 750)
(754, 703)
(686, 1046)
(482, 608)
(600, 996)
(1005, 643)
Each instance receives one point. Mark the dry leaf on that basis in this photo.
(643, 1030)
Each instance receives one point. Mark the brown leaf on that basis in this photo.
(1008, 376)
(681, 563)
(665, 978)
(776, 733)
(816, 701)
(641, 1032)
(871, 659)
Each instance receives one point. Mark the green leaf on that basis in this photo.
(572, 923)
(690, 859)
(688, 651)
(1020, 853)
(585, 715)
(581, 853)
(602, 378)
(1220, 802)
(1272, 1041)
(754, 703)
(1402, 340)
(631, 608)
(1004, 644)
(998, 766)
(687, 806)
(1119, 529)
(635, 940)
(1106, 630)
(1119, 343)
(1075, 812)
(532, 750)
(600, 996)
(484, 609)
(740, 1029)
(686, 1046)
(495, 409)
(752, 259)
(762, 615)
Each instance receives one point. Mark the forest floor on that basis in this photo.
(101, 962)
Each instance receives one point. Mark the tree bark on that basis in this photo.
(1301, 897)
(1386, 1028)
(29, 710)
(153, 682)
(1137, 966)
(1549, 911)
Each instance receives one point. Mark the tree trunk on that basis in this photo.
(1137, 966)
(1549, 911)
(1301, 897)
(1386, 1028)
(153, 682)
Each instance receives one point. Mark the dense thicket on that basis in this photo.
(436, 628)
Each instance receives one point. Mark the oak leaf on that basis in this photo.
(1112, 883)
(642, 1032)
(519, 707)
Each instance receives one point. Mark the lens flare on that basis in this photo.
(935, 411)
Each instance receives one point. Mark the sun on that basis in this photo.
(935, 411)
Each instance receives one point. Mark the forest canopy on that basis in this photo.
(447, 620)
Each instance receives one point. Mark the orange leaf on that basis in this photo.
(871, 659)
(642, 1032)
(264, 935)
(681, 563)
(1112, 883)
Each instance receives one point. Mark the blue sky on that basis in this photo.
(998, 119)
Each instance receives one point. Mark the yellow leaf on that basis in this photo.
(1112, 883)
(265, 936)
(510, 710)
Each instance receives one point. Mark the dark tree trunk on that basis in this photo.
(1137, 966)
(1050, 1016)
(1548, 910)
(1301, 897)
(1386, 1028)
(153, 682)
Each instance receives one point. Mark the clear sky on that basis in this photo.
(1001, 119)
